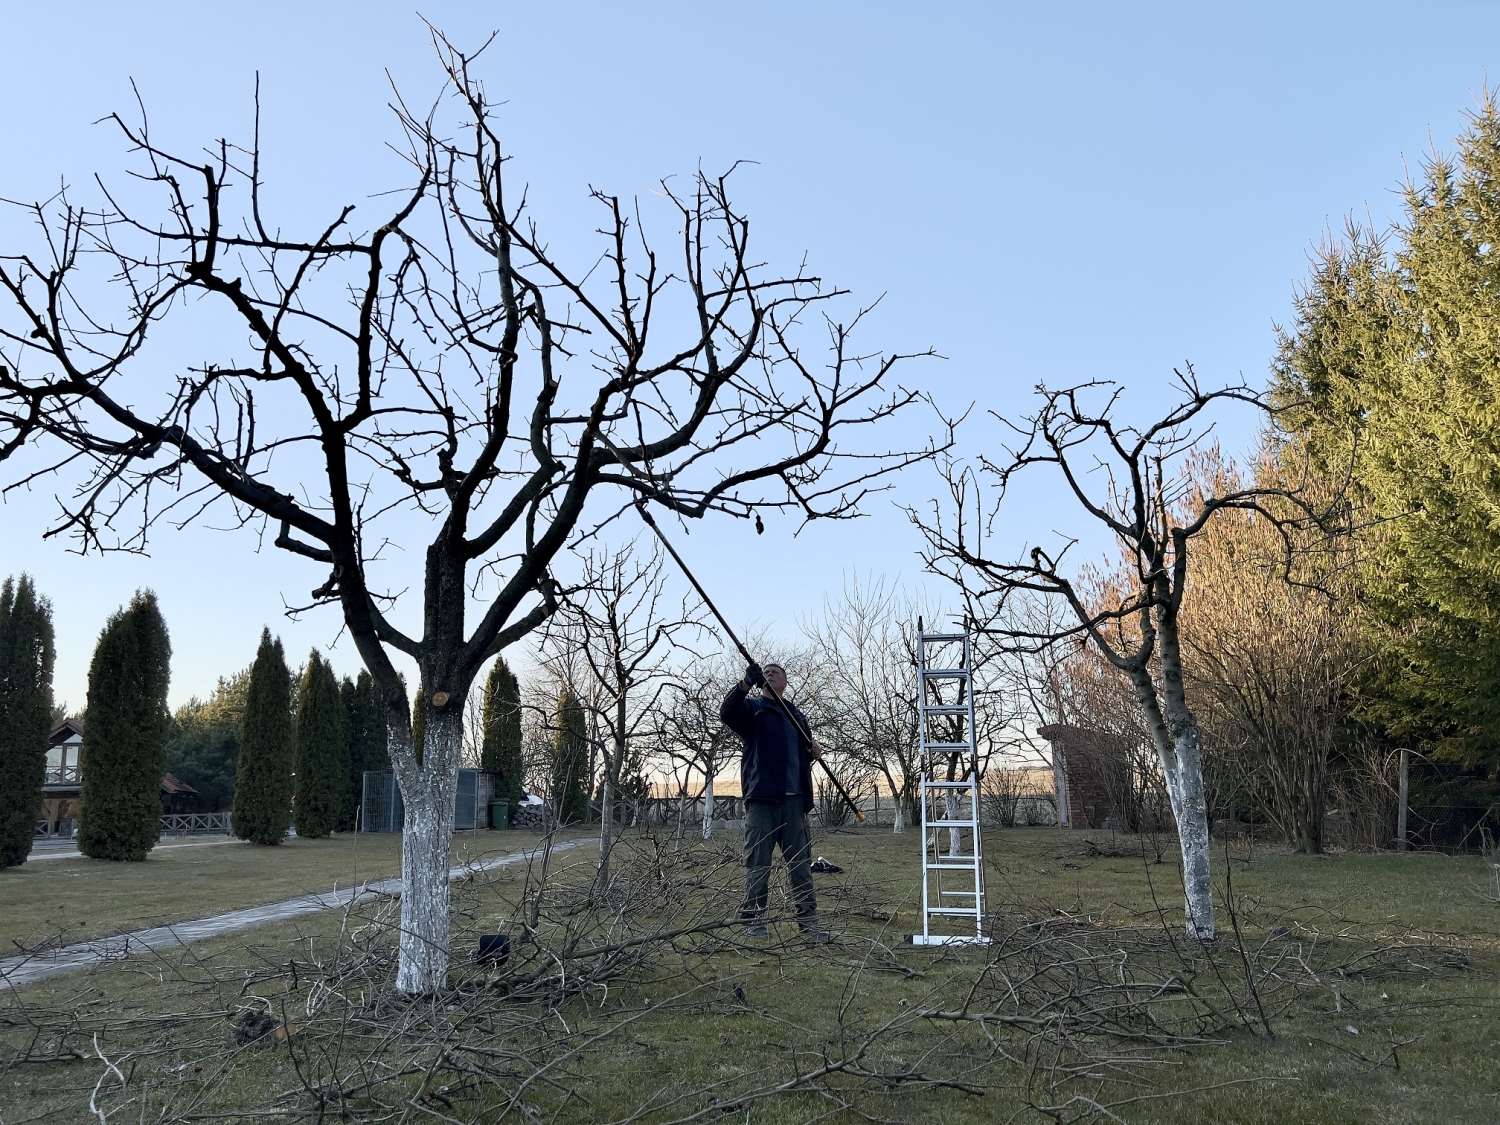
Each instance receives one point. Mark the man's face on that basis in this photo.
(776, 677)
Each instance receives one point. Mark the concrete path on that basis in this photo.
(73, 852)
(16, 971)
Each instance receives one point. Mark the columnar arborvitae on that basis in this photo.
(263, 781)
(570, 760)
(125, 729)
(500, 753)
(322, 751)
(364, 721)
(26, 659)
(418, 725)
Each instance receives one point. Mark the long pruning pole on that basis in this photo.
(729, 632)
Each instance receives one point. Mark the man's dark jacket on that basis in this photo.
(771, 742)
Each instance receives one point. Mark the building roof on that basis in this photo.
(1066, 735)
(170, 784)
(65, 730)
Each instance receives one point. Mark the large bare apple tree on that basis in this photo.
(435, 376)
(1126, 479)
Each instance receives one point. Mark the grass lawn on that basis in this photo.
(76, 899)
(1360, 989)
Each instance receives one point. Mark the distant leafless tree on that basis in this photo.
(864, 646)
(616, 632)
(689, 734)
(436, 377)
(1125, 478)
(1273, 660)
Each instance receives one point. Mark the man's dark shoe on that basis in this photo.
(816, 934)
(756, 930)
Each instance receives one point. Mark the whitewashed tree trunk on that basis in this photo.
(614, 763)
(708, 805)
(953, 805)
(899, 825)
(428, 790)
(1174, 732)
(606, 830)
(682, 809)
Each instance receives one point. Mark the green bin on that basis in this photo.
(499, 814)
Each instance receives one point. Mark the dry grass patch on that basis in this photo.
(639, 1005)
(77, 899)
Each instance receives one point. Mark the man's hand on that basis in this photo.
(754, 677)
(815, 751)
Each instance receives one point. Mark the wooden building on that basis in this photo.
(63, 783)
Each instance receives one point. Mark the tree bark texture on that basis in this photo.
(1175, 734)
(428, 790)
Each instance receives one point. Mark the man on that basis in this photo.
(776, 781)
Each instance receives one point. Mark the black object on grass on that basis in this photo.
(251, 1025)
(823, 867)
(494, 949)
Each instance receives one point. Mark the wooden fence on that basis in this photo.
(195, 824)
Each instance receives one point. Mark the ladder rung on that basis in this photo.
(951, 824)
(949, 784)
(945, 636)
(947, 673)
(945, 709)
(970, 866)
(960, 911)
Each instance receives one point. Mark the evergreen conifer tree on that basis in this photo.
(263, 780)
(26, 659)
(125, 730)
(322, 751)
(418, 724)
(570, 760)
(1390, 375)
(500, 753)
(204, 747)
(364, 722)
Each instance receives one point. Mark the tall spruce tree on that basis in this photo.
(263, 780)
(364, 722)
(322, 751)
(570, 760)
(26, 659)
(1390, 374)
(500, 752)
(125, 730)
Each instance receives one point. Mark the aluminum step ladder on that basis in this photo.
(952, 858)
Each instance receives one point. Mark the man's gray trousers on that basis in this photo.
(769, 824)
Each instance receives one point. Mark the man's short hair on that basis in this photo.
(769, 664)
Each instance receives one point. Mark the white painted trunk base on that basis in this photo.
(428, 791)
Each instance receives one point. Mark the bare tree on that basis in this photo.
(1124, 478)
(440, 376)
(615, 633)
(1274, 658)
(689, 731)
(865, 649)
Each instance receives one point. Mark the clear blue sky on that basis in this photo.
(1042, 192)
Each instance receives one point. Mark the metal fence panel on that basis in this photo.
(383, 810)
